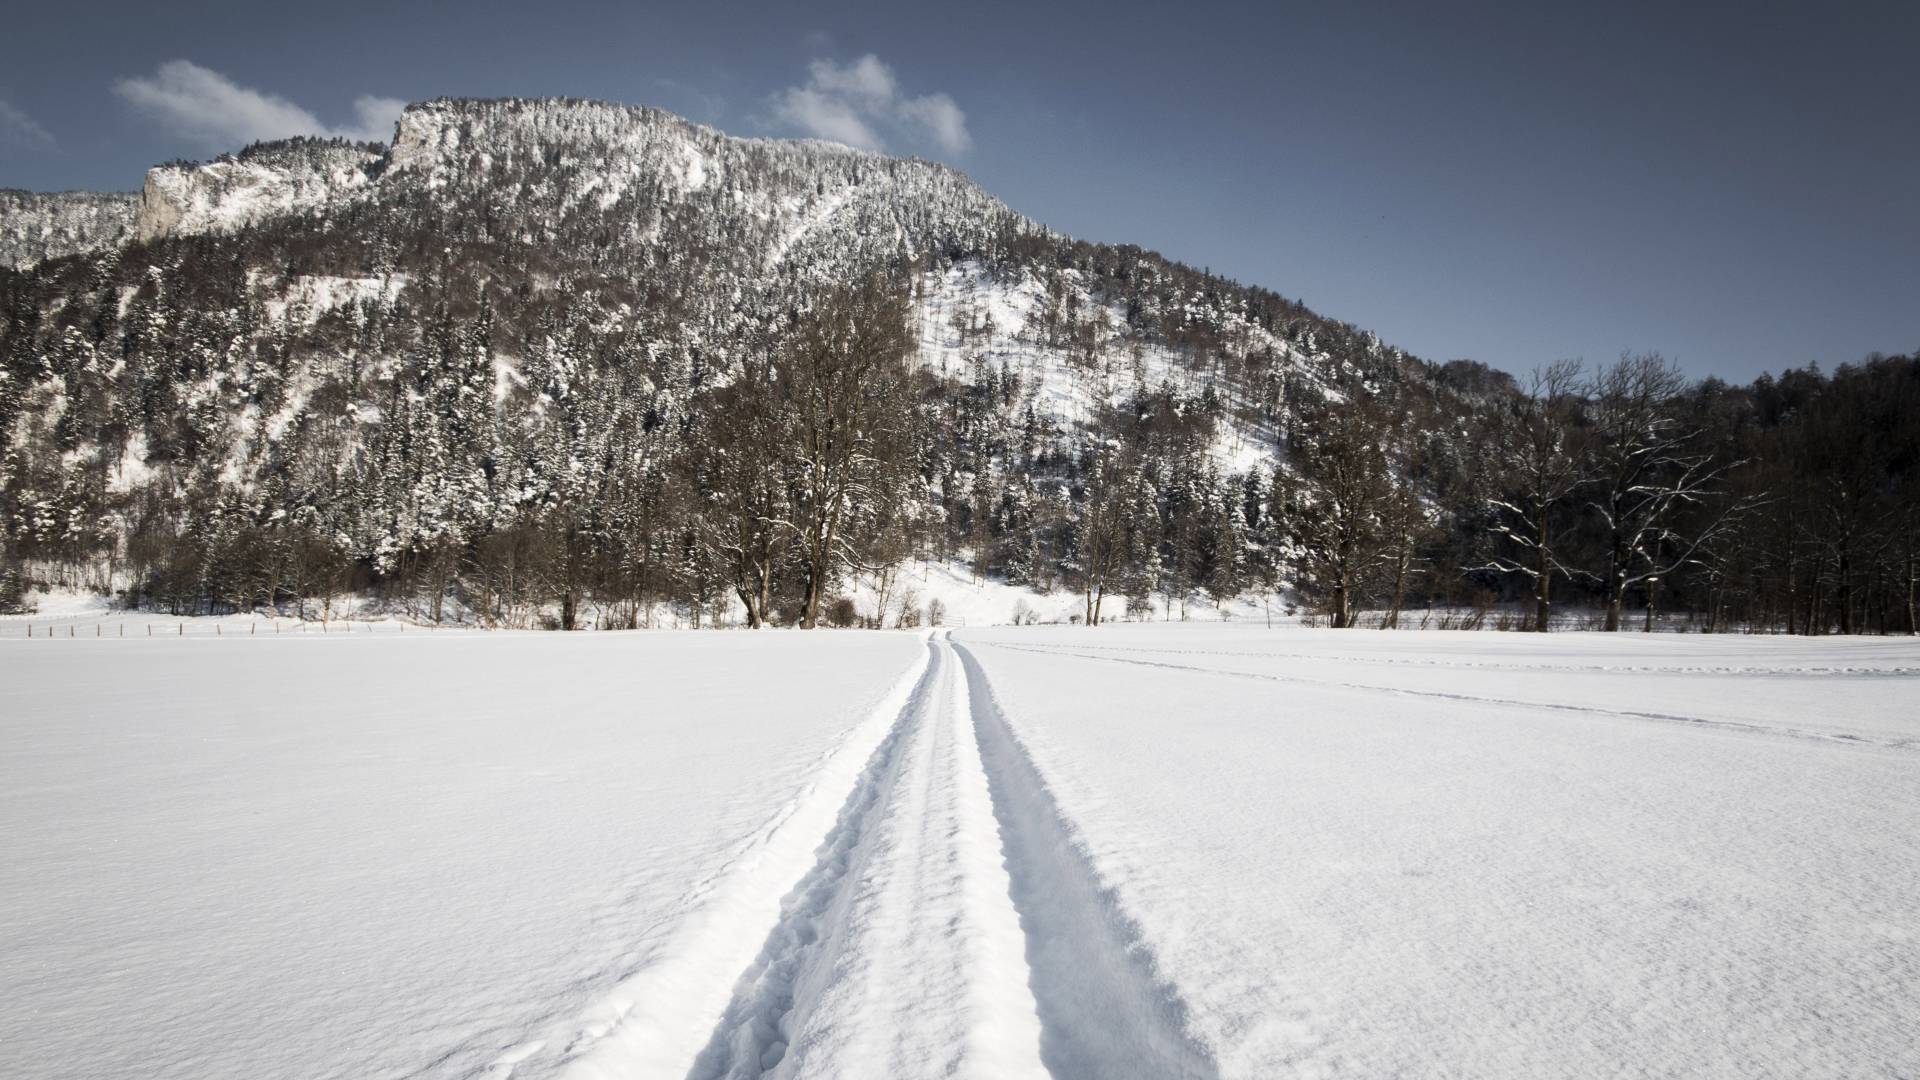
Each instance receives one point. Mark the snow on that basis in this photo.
(810, 219)
(1143, 850)
(1007, 317)
(974, 601)
(352, 856)
(232, 193)
(46, 225)
(1331, 878)
(900, 953)
(308, 296)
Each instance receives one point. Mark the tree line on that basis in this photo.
(1788, 505)
(614, 446)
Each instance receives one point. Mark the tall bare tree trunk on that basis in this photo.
(1913, 601)
(1543, 582)
(1400, 567)
(1843, 595)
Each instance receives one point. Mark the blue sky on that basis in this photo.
(1735, 186)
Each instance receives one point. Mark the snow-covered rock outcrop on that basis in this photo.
(262, 182)
(36, 225)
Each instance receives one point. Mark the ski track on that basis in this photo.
(650, 1025)
(951, 925)
(1698, 722)
(898, 955)
(1105, 1013)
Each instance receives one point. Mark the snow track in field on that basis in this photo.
(1830, 738)
(1104, 1011)
(948, 926)
(1454, 663)
(652, 1024)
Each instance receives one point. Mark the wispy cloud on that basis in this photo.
(201, 104)
(860, 104)
(17, 126)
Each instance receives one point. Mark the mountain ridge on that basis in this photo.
(175, 198)
(519, 310)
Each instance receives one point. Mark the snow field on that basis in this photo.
(1847, 690)
(1361, 880)
(388, 855)
(1104, 1008)
(672, 1001)
(1141, 851)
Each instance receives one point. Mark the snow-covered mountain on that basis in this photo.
(557, 165)
(278, 323)
(635, 187)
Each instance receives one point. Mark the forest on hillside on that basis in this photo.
(562, 363)
(622, 478)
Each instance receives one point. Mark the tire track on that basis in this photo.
(1105, 1011)
(753, 1034)
(1698, 722)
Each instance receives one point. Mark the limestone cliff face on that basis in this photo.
(549, 165)
(262, 182)
(37, 225)
(259, 183)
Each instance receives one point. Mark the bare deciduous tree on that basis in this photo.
(843, 380)
(1542, 454)
(737, 472)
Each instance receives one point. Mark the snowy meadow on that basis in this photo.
(1139, 851)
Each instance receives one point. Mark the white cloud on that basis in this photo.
(16, 125)
(827, 117)
(941, 118)
(859, 104)
(209, 108)
(377, 116)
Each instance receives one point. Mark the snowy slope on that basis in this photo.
(972, 601)
(966, 317)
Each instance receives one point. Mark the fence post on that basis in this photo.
(183, 630)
